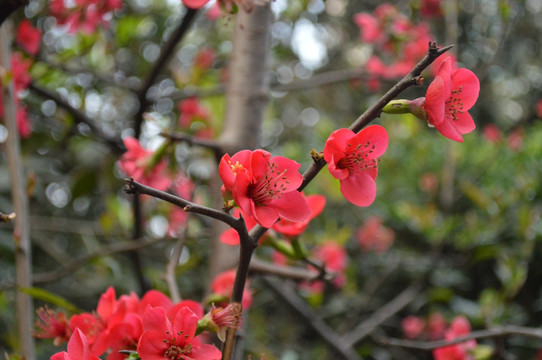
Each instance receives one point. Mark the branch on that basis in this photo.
(114, 144)
(412, 78)
(21, 232)
(167, 50)
(133, 187)
(290, 272)
(170, 270)
(505, 330)
(190, 140)
(333, 339)
(382, 314)
(9, 6)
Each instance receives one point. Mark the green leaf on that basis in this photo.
(51, 298)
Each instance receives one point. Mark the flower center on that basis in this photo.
(175, 352)
(271, 186)
(358, 158)
(237, 167)
(454, 104)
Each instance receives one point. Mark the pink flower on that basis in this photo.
(137, 163)
(412, 326)
(459, 327)
(291, 228)
(375, 236)
(430, 8)
(195, 4)
(449, 97)
(23, 125)
(515, 139)
(369, 26)
(492, 133)
(264, 187)
(334, 257)
(352, 159)
(77, 349)
(191, 109)
(28, 37)
(223, 285)
(436, 326)
(52, 325)
(165, 339)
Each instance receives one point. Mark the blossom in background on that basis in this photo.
(515, 139)
(83, 15)
(264, 187)
(184, 188)
(430, 8)
(77, 349)
(449, 97)
(492, 133)
(352, 159)
(195, 4)
(459, 327)
(28, 37)
(137, 162)
(173, 339)
(222, 286)
(374, 236)
(334, 258)
(190, 110)
(412, 326)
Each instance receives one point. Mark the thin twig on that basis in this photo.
(133, 187)
(330, 336)
(193, 141)
(170, 269)
(113, 142)
(382, 314)
(505, 330)
(165, 54)
(289, 272)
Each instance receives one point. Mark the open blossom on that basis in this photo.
(264, 187)
(449, 97)
(137, 163)
(352, 159)
(77, 349)
(175, 339)
(52, 325)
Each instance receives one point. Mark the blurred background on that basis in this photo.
(455, 224)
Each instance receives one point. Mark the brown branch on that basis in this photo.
(113, 142)
(259, 266)
(193, 141)
(170, 269)
(21, 232)
(382, 314)
(133, 187)
(334, 340)
(505, 330)
(166, 52)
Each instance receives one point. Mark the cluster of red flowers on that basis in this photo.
(395, 37)
(194, 118)
(435, 328)
(29, 39)
(83, 15)
(153, 326)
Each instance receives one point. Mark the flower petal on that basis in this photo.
(464, 123)
(184, 326)
(448, 129)
(376, 136)
(292, 206)
(205, 352)
(470, 87)
(151, 345)
(264, 215)
(435, 101)
(359, 189)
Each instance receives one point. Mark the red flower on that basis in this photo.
(77, 349)
(137, 163)
(223, 285)
(412, 326)
(291, 228)
(369, 26)
(28, 37)
(459, 327)
(449, 97)
(334, 258)
(430, 8)
(492, 133)
(375, 236)
(230, 236)
(264, 187)
(352, 158)
(165, 339)
(195, 4)
(52, 325)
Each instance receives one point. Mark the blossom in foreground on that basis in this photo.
(264, 187)
(449, 97)
(137, 162)
(352, 159)
(52, 325)
(77, 349)
(175, 339)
